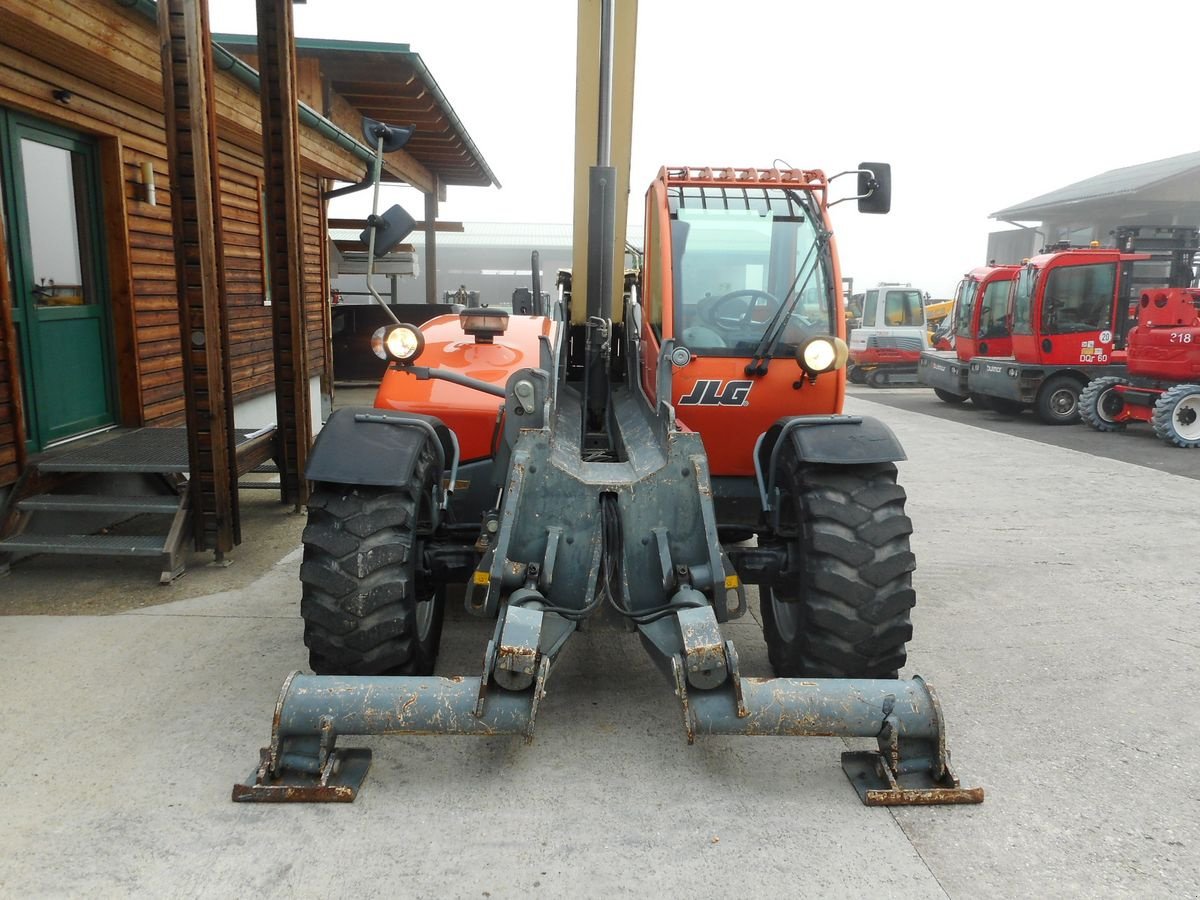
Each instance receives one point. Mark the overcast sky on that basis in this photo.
(976, 106)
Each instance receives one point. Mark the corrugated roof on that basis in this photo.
(1127, 180)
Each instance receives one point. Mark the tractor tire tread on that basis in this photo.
(321, 531)
(359, 599)
(848, 550)
(1045, 411)
(1089, 403)
(837, 510)
(1163, 418)
(854, 593)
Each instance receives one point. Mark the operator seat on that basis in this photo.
(701, 337)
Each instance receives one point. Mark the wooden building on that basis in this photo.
(90, 335)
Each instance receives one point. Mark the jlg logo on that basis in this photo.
(712, 392)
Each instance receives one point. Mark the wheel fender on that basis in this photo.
(362, 445)
(834, 440)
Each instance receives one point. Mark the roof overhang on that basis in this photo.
(390, 83)
(1115, 186)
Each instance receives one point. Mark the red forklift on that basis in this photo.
(1163, 387)
(979, 328)
(1069, 314)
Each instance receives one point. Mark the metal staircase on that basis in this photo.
(69, 500)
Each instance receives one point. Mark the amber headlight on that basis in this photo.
(399, 342)
(822, 354)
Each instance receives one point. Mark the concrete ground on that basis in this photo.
(1136, 444)
(1056, 616)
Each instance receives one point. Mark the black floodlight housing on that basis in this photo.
(483, 323)
(390, 229)
(394, 136)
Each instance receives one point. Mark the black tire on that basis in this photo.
(1005, 406)
(878, 378)
(856, 375)
(981, 400)
(1058, 400)
(947, 397)
(1177, 416)
(843, 609)
(1099, 404)
(364, 610)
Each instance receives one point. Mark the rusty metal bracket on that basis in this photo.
(735, 678)
(678, 668)
(878, 785)
(703, 645)
(912, 764)
(539, 693)
(518, 653)
(302, 764)
(887, 777)
(331, 776)
(489, 661)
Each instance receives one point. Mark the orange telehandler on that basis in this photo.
(604, 458)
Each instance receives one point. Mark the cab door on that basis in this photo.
(49, 182)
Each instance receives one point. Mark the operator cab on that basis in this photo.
(741, 287)
(982, 325)
(736, 269)
(895, 316)
(1065, 308)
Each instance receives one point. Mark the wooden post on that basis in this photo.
(191, 128)
(431, 211)
(285, 243)
(12, 356)
(326, 307)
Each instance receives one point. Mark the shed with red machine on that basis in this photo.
(1069, 314)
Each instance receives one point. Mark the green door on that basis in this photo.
(60, 299)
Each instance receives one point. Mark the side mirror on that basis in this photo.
(390, 229)
(394, 136)
(874, 187)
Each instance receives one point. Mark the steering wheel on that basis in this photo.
(741, 318)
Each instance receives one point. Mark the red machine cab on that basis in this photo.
(981, 327)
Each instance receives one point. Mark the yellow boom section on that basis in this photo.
(587, 130)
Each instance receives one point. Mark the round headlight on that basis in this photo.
(822, 354)
(400, 342)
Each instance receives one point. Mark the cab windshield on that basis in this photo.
(964, 305)
(1079, 298)
(1022, 301)
(993, 314)
(738, 261)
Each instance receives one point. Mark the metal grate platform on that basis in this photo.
(145, 450)
(164, 505)
(86, 544)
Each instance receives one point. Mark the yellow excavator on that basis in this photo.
(936, 312)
